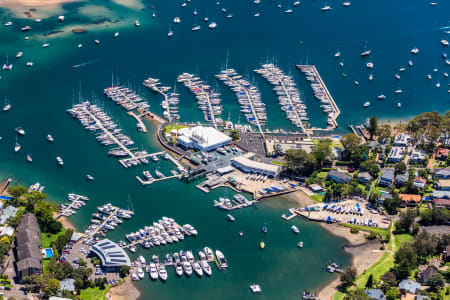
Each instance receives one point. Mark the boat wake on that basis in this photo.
(85, 63)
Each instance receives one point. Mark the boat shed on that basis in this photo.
(247, 165)
(112, 256)
(225, 170)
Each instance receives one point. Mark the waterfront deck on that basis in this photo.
(170, 99)
(141, 125)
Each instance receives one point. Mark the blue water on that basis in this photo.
(41, 94)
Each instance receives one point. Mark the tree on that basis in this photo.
(124, 271)
(348, 276)
(322, 151)
(350, 142)
(400, 168)
(300, 161)
(391, 204)
(389, 281)
(371, 167)
(393, 294)
(234, 134)
(369, 282)
(405, 221)
(17, 191)
(52, 286)
(405, 260)
(436, 282)
(425, 244)
(373, 126)
(384, 132)
(357, 294)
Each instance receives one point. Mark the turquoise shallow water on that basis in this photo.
(41, 94)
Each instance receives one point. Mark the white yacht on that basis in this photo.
(29, 64)
(59, 161)
(255, 288)
(371, 77)
(410, 63)
(444, 42)
(337, 54)
(326, 8)
(288, 11)
(50, 138)
(134, 277)
(295, 229)
(209, 253)
(187, 268)
(140, 273)
(179, 269)
(397, 76)
(176, 20)
(80, 45)
(366, 104)
(369, 65)
(61, 18)
(17, 147)
(19, 54)
(6, 107)
(399, 105)
(366, 53)
(346, 3)
(212, 25)
(162, 272)
(97, 42)
(136, 23)
(415, 50)
(8, 23)
(296, 3)
(398, 91)
(153, 271)
(20, 130)
(29, 158)
(300, 244)
(221, 259)
(89, 177)
(206, 267)
(116, 34)
(381, 97)
(170, 33)
(195, 28)
(257, 14)
(142, 259)
(45, 45)
(197, 269)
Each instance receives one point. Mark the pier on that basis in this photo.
(152, 236)
(169, 104)
(141, 125)
(287, 93)
(248, 96)
(113, 213)
(77, 201)
(207, 99)
(321, 92)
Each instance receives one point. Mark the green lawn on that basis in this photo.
(47, 238)
(376, 230)
(317, 198)
(279, 163)
(94, 294)
(322, 175)
(168, 128)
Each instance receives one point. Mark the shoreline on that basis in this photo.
(124, 291)
(360, 250)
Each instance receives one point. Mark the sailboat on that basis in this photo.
(17, 146)
(7, 66)
(29, 159)
(7, 106)
(170, 32)
(196, 27)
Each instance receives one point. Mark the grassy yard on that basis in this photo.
(279, 163)
(322, 175)
(376, 230)
(168, 128)
(94, 294)
(317, 198)
(47, 238)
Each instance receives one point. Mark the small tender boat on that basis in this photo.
(50, 138)
(29, 159)
(366, 104)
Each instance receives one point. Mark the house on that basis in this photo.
(396, 154)
(339, 177)
(9, 212)
(401, 179)
(383, 197)
(27, 247)
(440, 195)
(443, 184)
(408, 285)
(402, 140)
(417, 156)
(419, 182)
(67, 284)
(441, 173)
(426, 271)
(442, 154)
(410, 199)
(376, 294)
(442, 203)
(364, 177)
(386, 178)
(315, 188)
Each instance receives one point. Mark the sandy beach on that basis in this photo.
(33, 2)
(358, 247)
(125, 291)
(300, 198)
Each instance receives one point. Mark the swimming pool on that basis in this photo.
(47, 252)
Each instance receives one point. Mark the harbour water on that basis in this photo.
(39, 96)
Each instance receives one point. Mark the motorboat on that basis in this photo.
(366, 104)
(255, 288)
(399, 105)
(29, 64)
(134, 277)
(262, 245)
(170, 33)
(136, 23)
(179, 269)
(153, 271)
(415, 50)
(140, 273)
(230, 218)
(212, 25)
(326, 8)
(142, 259)
(300, 244)
(221, 259)
(369, 65)
(59, 161)
(176, 20)
(295, 229)
(337, 54)
(29, 159)
(6, 107)
(116, 34)
(45, 45)
(20, 130)
(346, 3)
(206, 267)
(187, 268)
(209, 253)
(381, 97)
(195, 28)
(50, 138)
(366, 53)
(197, 269)
(19, 54)
(97, 42)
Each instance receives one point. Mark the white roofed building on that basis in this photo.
(202, 138)
(111, 255)
(247, 165)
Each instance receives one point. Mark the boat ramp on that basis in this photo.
(248, 97)
(321, 92)
(170, 102)
(207, 99)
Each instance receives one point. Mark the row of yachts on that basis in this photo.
(75, 203)
(207, 99)
(126, 98)
(320, 92)
(287, 92)
(184, 262)
(164, 231)
(238, 201)
(171, 99)
(248, 96)
(107, 218)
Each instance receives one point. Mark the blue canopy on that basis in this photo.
(5, 198)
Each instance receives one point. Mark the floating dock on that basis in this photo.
(248, 97)
(321, 92)
(170, 102)
(208, 100)
(76, 202)
(288, 95)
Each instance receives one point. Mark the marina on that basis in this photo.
(71, 208)
(248, 97)
(184, 263)
(163, 232)
(170, 102)
(107, 218)
(321, 92)
(237, 202)
(288, 95)
(207, 99)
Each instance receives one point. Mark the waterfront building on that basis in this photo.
(202, 138)
(396, 154)
(402, 140)
(27, 247)
(247, 165)
(417, 156)
(111, 255)
(339, 177)
(364, 177)
(401, 179)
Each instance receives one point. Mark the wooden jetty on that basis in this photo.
(139, 120)
(113, 213)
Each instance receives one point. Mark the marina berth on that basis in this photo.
(171, 99)
(288, 94)
(71, 208)
(126, 98)
(321, 92)
(248, 97)
(207, 99)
